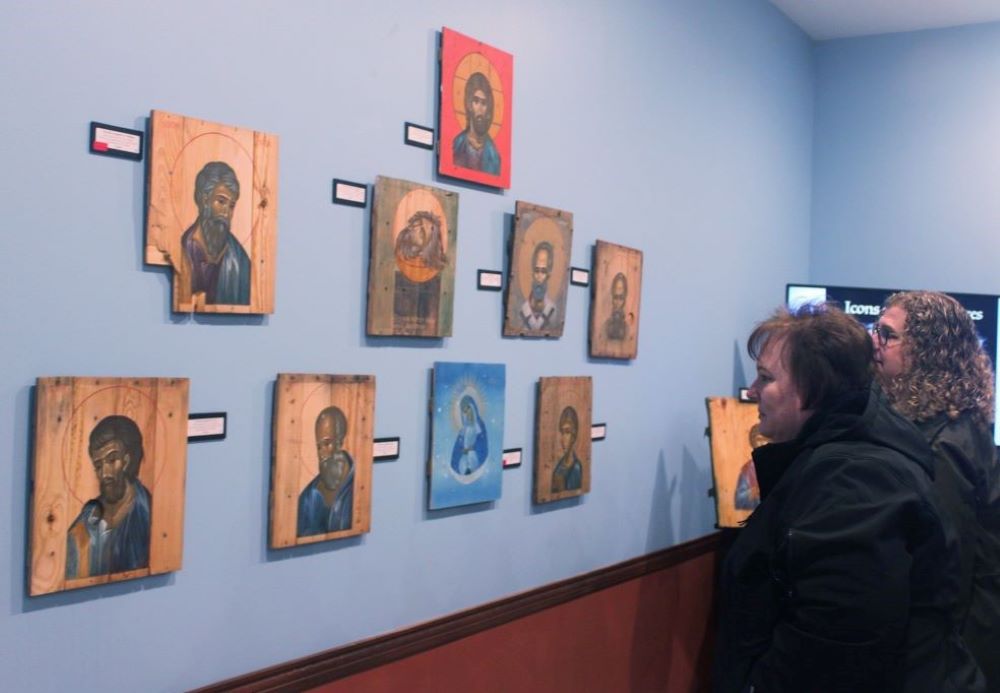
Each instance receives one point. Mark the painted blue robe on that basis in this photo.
(226, 282)
(471, 445)
(572, 471)
(465, 155)
(316, 517)
(94, 549)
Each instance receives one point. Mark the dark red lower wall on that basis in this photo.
(652, 633)
(643, 625)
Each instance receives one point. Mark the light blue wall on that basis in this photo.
(682, 128)
(907, 161)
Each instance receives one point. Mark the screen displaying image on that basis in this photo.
(866, 304)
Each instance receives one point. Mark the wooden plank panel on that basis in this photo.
(167, 541)
(411, 270)
(65, 479)
(616, 289)
(180, 147)
(733, 435)
(299, 400)
(539, 233)
(50, 516)
(562, 402)
(265, 233)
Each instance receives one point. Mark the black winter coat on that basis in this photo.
(967, 484)
(844, 577)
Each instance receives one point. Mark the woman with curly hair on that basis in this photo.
(935, 373)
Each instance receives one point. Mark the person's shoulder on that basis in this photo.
(864, 465)
(965, 446)
(838, 481)
(964, 427)
(965, 435)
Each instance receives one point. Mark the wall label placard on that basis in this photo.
(385, 449)
(511, 458)
(347, 192)
(490, 280)
(418, 136)
(206, 426)
(111, 140)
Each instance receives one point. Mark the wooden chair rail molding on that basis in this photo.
(330, 665)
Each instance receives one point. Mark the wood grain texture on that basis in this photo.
(731, 429)
(614, 319)
(537, 227)
(395, 203)
(299, 399)
(179, 148)
(64, 479)
(556, 395)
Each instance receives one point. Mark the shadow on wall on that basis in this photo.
(675, 620)
(673, 633)
(689, 491)
(661, 524)
(739, 375)
(697, 510)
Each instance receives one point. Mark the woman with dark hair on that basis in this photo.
(842, 578)
(936, 374)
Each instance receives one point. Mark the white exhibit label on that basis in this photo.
(580, 276)
(351, 193)
(597, 431)
(491, 280)
(118, 141)
(210, 426)
(419, 135)
(511, 458)
(385, 448)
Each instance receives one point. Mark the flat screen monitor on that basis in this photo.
(866, 305)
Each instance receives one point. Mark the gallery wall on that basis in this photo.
(681, 128)
(907, 161)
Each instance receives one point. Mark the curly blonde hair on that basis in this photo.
(945, 367)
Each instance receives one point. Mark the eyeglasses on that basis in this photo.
(884, 334)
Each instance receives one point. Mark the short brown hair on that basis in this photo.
(828, 353)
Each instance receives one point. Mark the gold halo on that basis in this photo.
(198, 151)
(122, 400)
(542, 229)
(477, 62)
(418, 200)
